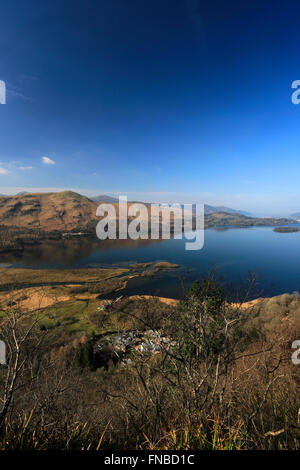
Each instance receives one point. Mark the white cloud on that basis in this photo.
(24, 168)
(48, 161)
(3, 171)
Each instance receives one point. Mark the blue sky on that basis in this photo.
(180, 101)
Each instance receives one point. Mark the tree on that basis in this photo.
(17, 331)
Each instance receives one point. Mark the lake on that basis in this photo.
(235, 252)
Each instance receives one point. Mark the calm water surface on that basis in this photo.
(236, 252)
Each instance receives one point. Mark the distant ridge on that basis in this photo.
(68, 211)
(212, 209)
(104, 198)
(207, 208)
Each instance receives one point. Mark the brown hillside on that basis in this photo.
(47, 211)
(63, 211)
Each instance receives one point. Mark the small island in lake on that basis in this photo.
(286, 229)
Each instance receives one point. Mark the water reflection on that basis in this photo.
(67, 253)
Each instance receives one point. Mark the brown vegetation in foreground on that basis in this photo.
(223, 380)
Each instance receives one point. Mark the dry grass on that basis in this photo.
(18, 277)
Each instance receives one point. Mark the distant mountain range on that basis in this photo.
(66, 211)
(104, 198)
(207, 208)
(211, 209)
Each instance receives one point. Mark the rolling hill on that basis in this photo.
(47, 211)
